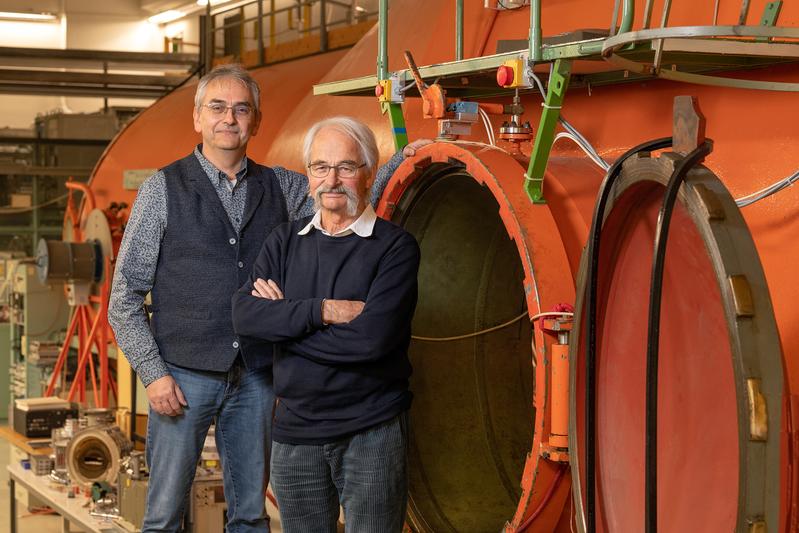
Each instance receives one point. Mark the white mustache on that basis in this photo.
(352, 197)
(341, 189)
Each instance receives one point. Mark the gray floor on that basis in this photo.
(27, 523)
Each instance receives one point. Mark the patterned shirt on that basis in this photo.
(138, 254)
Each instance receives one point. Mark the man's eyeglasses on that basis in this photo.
(344, 170)
(240, 110)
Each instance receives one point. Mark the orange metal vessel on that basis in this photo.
(482, 404)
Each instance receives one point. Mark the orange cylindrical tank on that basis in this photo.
(482, 402)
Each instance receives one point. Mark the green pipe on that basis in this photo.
(627, 15)
(382, 40)
(458, 30)
(535, 31)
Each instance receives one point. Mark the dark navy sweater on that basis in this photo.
(333, 381)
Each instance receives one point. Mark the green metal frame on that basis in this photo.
(458, 30)
(545, 135)
(700, 49)
(394, 111)
(770, 15)
(398, 129)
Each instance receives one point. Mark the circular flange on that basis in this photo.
(721, 379)
(94, 454)
(457, 174)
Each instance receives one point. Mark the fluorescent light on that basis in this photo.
(360, 9)
(30, 17)
(166, 16)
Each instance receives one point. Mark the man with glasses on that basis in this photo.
(336, 293)
(191, 240)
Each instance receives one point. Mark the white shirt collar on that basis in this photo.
(363, 226)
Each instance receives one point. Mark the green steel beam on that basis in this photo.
(770, 15)
(382, 41)
(627, 16)
(458, 30)
(395, 117)
(397, 120)
(365, 84)
(545, 135)
(535, 51)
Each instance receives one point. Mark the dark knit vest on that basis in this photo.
(203, 261)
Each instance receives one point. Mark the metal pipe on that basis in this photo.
(237, 23)
(12, 502)
(648, 13)
(88, 194)
(614, 18)
(458, 30)
(272, 23)
(382, 40)
(35, 212)
(209, 39)
(260, 30)
(744, 13)
(659, 44)
(627, 16)
(323, 42)
(536, 54)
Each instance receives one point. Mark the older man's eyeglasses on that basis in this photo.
(343, 170)
(218, 109)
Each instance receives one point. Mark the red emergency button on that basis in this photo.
(378, 90)
(505, 76)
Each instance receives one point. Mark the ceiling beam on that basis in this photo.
(53, 76)
(78, 90)
(189, 61)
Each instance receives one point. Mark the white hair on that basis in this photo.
(354, 129)
(231, 71)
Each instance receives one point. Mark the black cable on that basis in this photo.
(590, 324)
(653, 331)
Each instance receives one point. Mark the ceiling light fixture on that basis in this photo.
(28, 17)
(166, 16)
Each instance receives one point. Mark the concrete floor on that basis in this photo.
(28, 523)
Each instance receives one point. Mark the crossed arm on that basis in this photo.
(333, 311)
(331, 331)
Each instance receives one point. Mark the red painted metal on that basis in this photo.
(539, 232)
(755, 137)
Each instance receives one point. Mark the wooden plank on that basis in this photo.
(21, 441)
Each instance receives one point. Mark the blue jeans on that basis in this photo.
(365, 473)
(241, 403)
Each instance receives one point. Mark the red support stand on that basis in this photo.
(91, 327)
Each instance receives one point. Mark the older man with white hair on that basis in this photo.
(336, 293)
(192, 238)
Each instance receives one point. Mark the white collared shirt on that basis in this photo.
(363, 226)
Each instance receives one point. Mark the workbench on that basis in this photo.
(72, 510)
